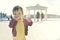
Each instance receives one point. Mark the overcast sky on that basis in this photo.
(7, 5)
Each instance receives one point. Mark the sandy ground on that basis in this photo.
(46, 30)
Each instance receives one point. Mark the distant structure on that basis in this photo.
(37, 7)
(2, 15)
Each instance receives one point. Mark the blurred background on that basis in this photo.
(40, 30)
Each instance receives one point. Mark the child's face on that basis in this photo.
(18, 14)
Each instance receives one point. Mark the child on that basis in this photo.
(18, 24)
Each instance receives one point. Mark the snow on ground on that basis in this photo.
(45, 30)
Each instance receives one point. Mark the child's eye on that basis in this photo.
(14, 13)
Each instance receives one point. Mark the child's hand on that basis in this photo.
(16, 19)
(29, 19)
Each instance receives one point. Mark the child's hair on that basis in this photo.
(16, 8)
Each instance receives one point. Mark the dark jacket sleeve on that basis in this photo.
(12, 23)
(30, 23)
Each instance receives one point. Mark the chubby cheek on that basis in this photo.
(18, 16)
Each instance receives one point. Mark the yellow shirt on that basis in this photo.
(20, 30)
